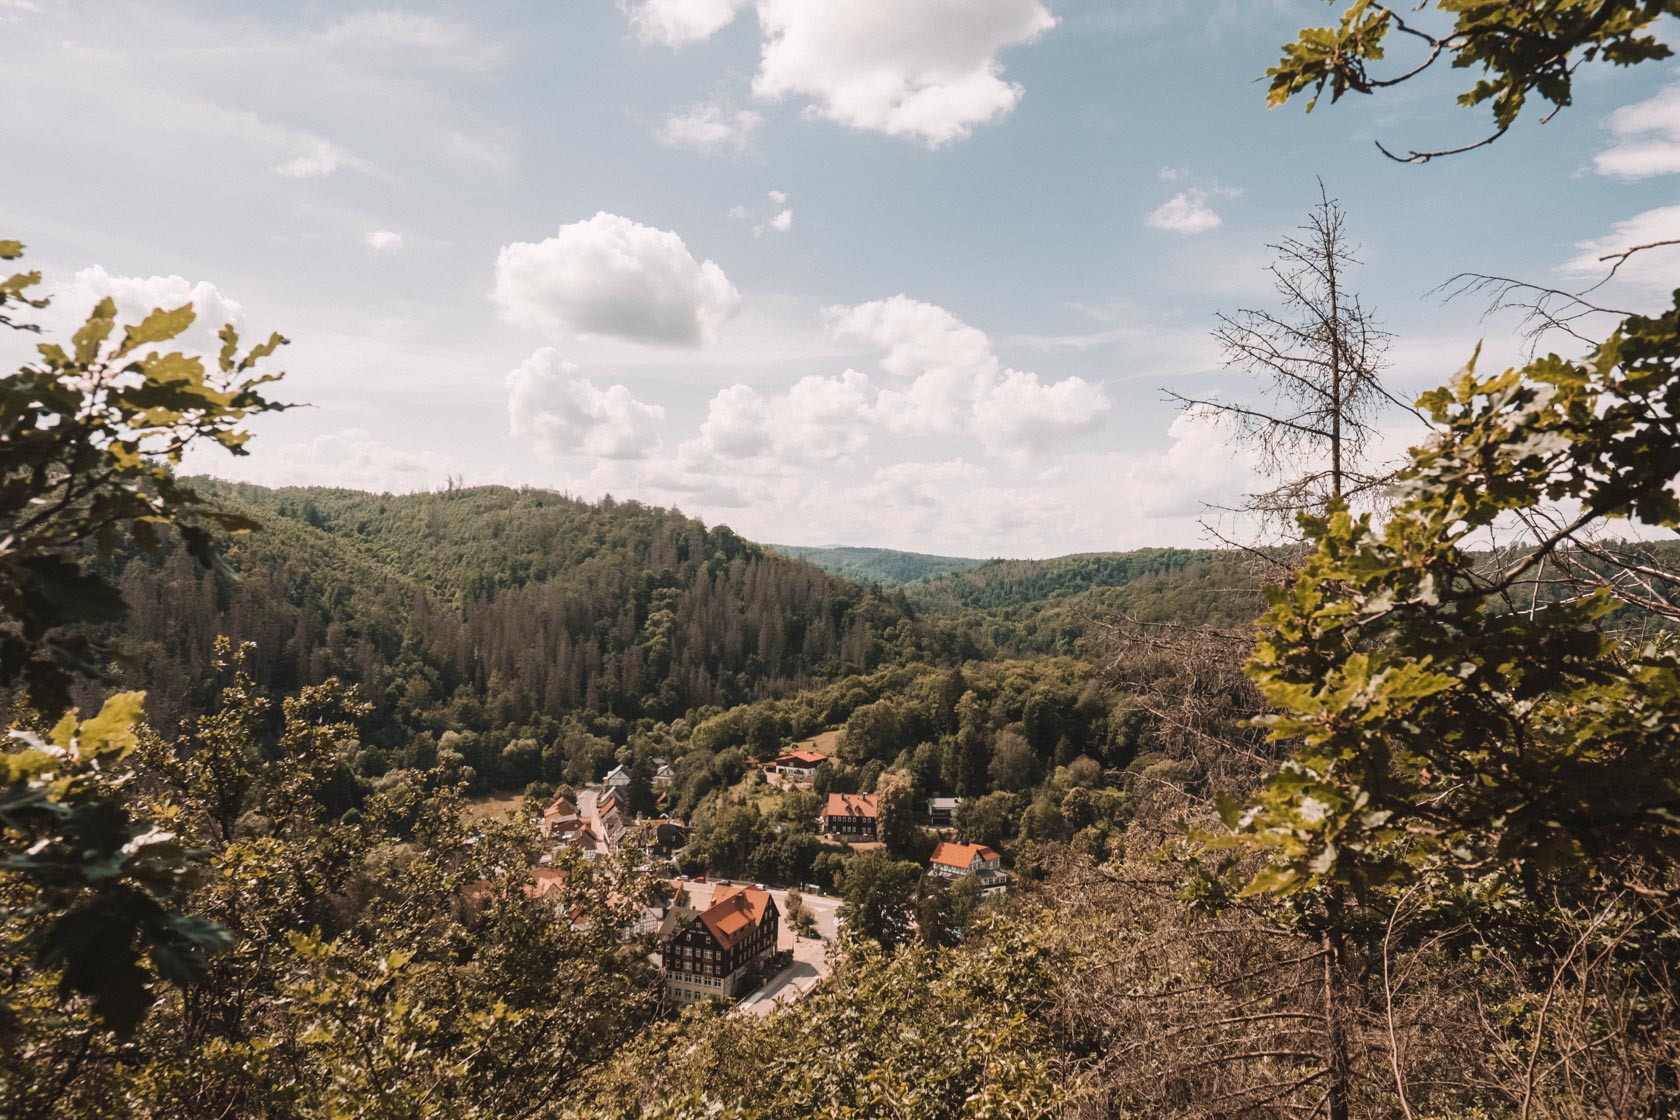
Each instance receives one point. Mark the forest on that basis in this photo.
(1376, 813)
(884, 566)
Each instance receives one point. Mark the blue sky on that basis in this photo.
(829, 271)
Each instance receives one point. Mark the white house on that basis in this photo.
(801, 766)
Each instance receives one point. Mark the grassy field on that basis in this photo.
(481, 810)
(824, 743)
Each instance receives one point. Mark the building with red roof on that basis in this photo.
(953, 861)
(716, 951)
(851, 816)
(799, 765)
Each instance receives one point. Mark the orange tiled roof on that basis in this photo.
(545, 881)
(735, 912)
(852, 805)
(809, 758)
(961, 855)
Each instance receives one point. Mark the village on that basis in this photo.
(755, 945)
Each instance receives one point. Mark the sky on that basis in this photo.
(917, 274)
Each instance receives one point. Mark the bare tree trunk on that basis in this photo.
(1318, 357)
(1336, 1063)
(1330, 234)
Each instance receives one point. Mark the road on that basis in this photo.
(810, 954)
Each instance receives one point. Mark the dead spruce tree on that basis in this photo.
(1318, 356)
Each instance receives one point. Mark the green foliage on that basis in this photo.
(1520, 49)
(880, 894)
(511, 614)
(998, 584)
(894, 824)
(988, 820)
(90, 436)
(1014, 766)
(92, 886)
(878, 565)
(391, 962)
(875, 731)
(1436, 726)
(1025, 607)
(922, 1034)
(13, 289)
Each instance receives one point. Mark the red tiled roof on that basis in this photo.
(807, 758)
(735, 912)
(961, 855)
(852, 805)
(545, 881)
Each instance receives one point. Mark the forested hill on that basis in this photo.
(1001, 584)
(1027, 606)
(494, 609)
(884, 566)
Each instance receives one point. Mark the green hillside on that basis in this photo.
(497, 611)
(1012, 583)
(1061, 605)
(885, 566)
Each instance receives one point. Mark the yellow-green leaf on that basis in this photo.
(112, 730)
(95, 331)
(157, 327)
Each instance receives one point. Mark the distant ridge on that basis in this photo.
(884, 566)
(1008, 584)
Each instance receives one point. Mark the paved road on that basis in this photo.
(810, 954)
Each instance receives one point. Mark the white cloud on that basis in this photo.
(1648, 138)
(949, 365)
(350, 457)
(677, 22)
(1025, 417)
(408, 36)
(383, 240)
(612, 277)
(319, 158)
(956, 382)
(919, 338)
(1172, 174)
(925, 69)
(476, 150)
(1185, 212)
(1086, 501)
(818, 419)
(1654, 270)
(823, 418)
(138, 296)
(780, 222)
(737, 424)
(1203, 464)
(566, 414)
(710, 127)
